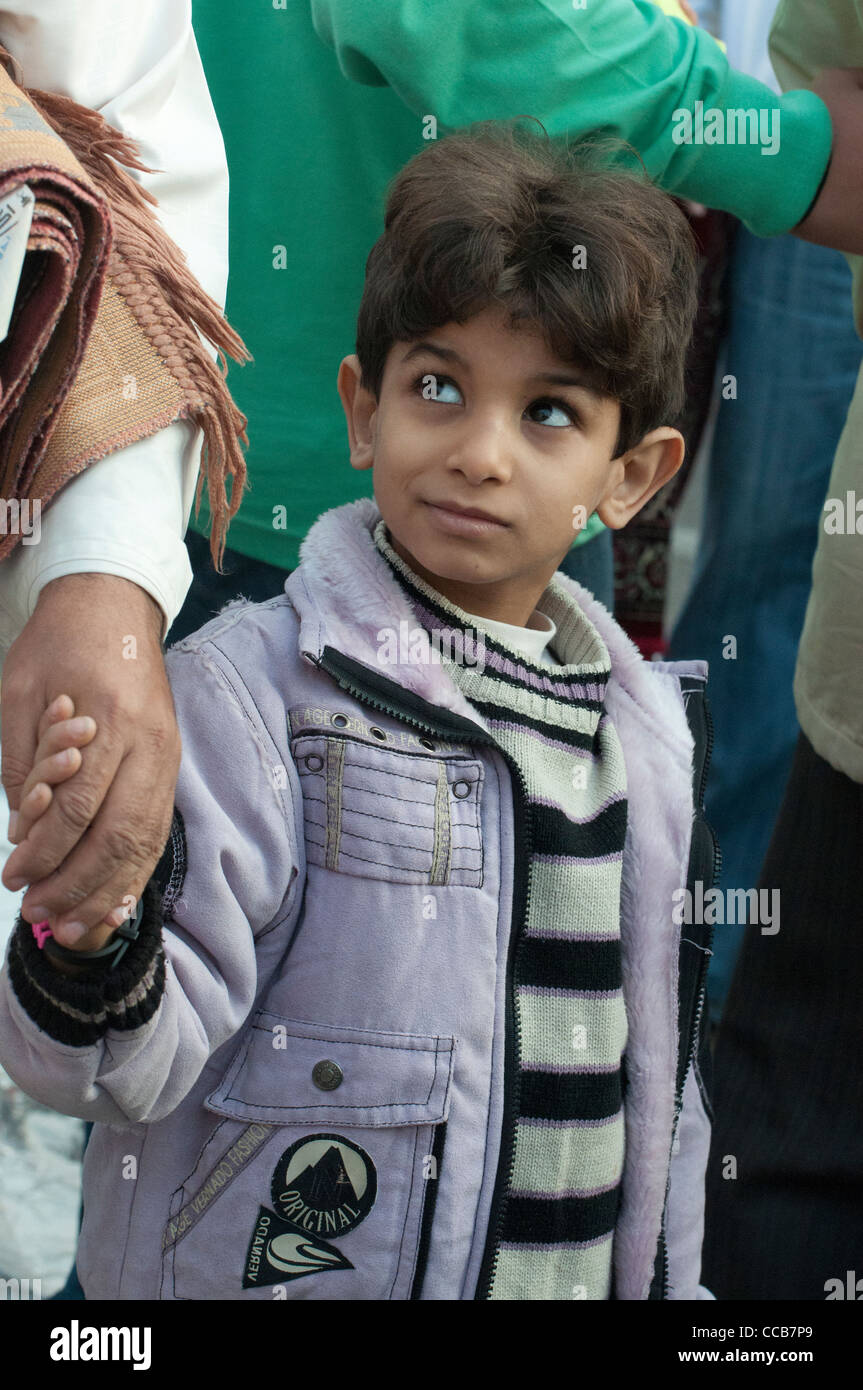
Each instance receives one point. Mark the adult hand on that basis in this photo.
(837, 217)
(97, 638)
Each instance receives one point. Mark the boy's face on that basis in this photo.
(477, 417)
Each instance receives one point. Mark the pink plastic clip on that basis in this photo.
(40, 931)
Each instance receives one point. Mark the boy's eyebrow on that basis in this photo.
(551, 378)
(448, 354)
(569, 379)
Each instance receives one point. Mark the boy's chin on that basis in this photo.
(437, 567)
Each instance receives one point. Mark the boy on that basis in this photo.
(398, 1014)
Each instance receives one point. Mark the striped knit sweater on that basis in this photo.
(562, 1201)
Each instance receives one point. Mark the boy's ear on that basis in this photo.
(645, 469)
(359, 406)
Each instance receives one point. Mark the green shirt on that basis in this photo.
(311, 153)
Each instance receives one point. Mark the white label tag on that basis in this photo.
(16, 215)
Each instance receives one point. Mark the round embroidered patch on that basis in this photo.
(324, 1184)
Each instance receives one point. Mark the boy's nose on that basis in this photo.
(484, 450)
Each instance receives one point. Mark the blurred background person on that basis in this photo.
(791, 360)
(784, 1213)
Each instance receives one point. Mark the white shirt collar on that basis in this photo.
(532, 642)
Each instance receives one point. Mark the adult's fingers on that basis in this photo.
(73, 809)
(18, 739)
(96, 637)
(125, 840)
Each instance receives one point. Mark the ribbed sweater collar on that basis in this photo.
(576, 640)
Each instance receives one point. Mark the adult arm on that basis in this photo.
(112, 563)
(86, 529)
(814, 44)
(139, 66)
(621, 67)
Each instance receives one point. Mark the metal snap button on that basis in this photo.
(378, 734)
(313, 762)
(341, 721)
(427, 743)
(461, 789)
(327, 1075)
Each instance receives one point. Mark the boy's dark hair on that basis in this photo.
(495, 214)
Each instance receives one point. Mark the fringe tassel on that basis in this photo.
(151, 272)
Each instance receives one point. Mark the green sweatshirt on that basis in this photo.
(311, 154)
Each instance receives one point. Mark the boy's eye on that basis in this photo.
(556, 408)
(434, 388)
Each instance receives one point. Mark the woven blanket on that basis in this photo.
(105, 344)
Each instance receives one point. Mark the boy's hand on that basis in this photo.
(58, 758)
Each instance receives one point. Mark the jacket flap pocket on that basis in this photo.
(291, 1072)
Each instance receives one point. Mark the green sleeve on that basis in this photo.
(619, 66)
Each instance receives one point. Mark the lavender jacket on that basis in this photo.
(321, 1032)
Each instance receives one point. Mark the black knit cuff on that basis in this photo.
(80, 1009)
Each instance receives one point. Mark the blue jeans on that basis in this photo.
(794, 352)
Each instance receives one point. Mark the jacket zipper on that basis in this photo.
(521, 892)
(512, 1054)
(678, 1103)
(702, 987)
(716, 871)
(428, 1214)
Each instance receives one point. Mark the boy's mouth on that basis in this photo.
(465, 520)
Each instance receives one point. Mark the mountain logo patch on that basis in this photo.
(323, 1185)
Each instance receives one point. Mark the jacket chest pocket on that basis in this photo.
(380, 813)
(315, 1182)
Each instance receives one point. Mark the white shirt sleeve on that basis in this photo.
(139, 66)
(124, 515)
